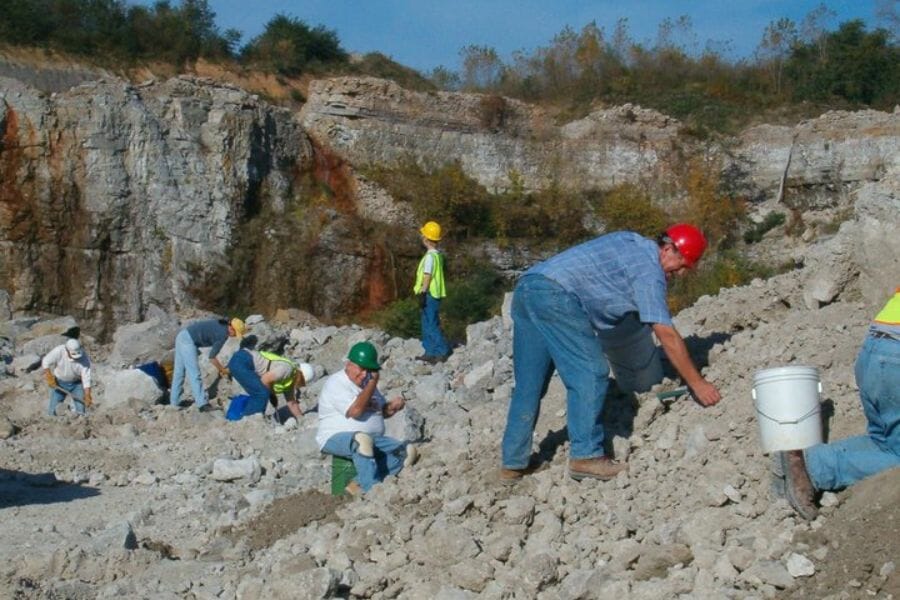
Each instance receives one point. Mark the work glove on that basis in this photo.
(88, 398)
(51, 380)
(422, 300)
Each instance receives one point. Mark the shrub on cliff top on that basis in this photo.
(627, 207)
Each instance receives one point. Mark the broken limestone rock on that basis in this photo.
(121, 388)
(225, 469)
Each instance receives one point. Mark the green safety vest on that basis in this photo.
(436, 286)
(890, 314)
(282, 385)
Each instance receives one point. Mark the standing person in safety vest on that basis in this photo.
(560, 305)
(67, 370)
(836, 465)
(430, 288)
(212, 333)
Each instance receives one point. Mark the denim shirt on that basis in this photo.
(209, 332)
(612, 275)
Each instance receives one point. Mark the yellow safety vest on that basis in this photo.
(282, 385)
(436, 287)
(890, 314)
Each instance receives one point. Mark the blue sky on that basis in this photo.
(426, 33)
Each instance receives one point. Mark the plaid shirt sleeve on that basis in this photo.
(649, 285)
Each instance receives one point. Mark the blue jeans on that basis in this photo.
(551, 330)
(186, 363)
(839, 464)
(75, 390)
(433, 340)
(242, 370)
(388, 459)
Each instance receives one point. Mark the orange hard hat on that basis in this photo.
(690, 242)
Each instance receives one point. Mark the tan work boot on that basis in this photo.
(354, 489)
(798, 487)
(602, 468)
(511, 476)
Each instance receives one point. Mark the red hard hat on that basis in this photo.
(689, 240)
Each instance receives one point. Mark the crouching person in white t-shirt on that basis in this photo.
(351, 421)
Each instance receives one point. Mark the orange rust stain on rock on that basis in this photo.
(14, 209)
(334, 172)
(380, 291)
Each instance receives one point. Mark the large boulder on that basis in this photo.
(137, 343)
(876, 242)
(128, 387)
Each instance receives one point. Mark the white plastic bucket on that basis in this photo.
(788, 408)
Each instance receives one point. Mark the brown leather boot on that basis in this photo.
(798, 488)
(602, 468)
(511, 476)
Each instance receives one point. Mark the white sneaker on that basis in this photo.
(412, 455)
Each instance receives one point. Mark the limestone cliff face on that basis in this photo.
(372, 121)
(836, 148)
(113, 197)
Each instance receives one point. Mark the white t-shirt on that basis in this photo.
(338, 393)
(68, 369)
(428, 265)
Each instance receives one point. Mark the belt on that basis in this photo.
(884, 335)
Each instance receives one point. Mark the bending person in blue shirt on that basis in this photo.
(560, 309)
(212, 333)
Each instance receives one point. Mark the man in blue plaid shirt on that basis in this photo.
(562, 306)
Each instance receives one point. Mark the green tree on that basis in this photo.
(25, 21)
(482, 69)
(775, 48)
(888, 14)
(289, 46)
(444, 79)
(860, 67)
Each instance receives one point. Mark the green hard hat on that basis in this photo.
(365, 355)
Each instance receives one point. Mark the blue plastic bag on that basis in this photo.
(236, 407)
(241, 367)
(156, 371)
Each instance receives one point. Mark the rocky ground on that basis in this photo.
(142, 500)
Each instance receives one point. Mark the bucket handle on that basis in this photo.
(812, 412)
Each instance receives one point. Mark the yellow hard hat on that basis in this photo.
(240, 328)
(431, 231)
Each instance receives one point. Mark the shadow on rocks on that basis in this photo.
(619, 412)
(20, 489)
(698, 348)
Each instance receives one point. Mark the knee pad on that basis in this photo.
(365, 445)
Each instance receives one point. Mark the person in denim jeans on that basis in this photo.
(431, 288)
(209, 332)
(67, 370)
(351, 421)
(558, 308)
(801, 473)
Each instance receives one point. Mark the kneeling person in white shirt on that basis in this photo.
(351, 420)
